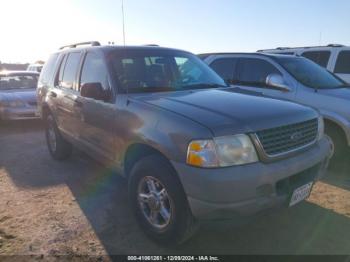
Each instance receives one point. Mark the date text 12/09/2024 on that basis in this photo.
(173, 258)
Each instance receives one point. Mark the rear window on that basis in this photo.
(319, 57)
(343, 63)
(18, 82)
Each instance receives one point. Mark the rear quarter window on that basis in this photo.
(48, 70)
(343, 63)
(69, 69)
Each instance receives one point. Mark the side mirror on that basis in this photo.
(276, 81)
(93, 90)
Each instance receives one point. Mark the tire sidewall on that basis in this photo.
(49, 118)
(159, 168)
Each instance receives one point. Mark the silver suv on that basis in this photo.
(335, 58)
(290, 78)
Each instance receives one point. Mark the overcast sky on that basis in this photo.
(31, 30)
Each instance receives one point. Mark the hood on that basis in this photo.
(225, 112)
(343, 93)
(28, 95)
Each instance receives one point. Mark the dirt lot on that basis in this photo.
(80, 207)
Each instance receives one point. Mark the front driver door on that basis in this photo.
(252, 74)
(97, 116)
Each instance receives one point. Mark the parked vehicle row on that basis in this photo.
(18, 95)
(191, 147)
(335, 58)
(294, 79)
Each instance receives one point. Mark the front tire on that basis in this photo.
(59, 148)
(159, 202)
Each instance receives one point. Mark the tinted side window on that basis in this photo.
(67, 78)
(319, 57)
(225, 67)
(255, 71)
(343, 63)
(48, 69)
(94, 71)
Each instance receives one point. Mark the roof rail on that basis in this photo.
(92, 43)
(282, 48)
(335, 45)
(151, 45)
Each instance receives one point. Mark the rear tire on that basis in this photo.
(179, 223)
(59, 148)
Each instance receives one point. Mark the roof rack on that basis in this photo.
(92, 43)
(335, 45)
(151, 45)
(306, 47)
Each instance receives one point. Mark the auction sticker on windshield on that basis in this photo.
(300, 194)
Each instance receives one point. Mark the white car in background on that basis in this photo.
(35, 68)
(335, 58)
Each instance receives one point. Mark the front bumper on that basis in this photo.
(226, 193)
(21, 113)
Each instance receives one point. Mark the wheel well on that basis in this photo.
(331, 125)
(136, 152)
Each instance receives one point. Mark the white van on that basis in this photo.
(335, 58)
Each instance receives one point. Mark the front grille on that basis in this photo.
(279, 140)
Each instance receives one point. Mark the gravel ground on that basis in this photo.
(79, 207)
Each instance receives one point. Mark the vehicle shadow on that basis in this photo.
(20, 127)
(339, 173)
(304, 229)
(102, 196)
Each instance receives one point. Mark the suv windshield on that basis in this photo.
(152, 71)
(18, 82)
(310, 73)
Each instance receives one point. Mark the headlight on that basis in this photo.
(320, 128)
(222, 152)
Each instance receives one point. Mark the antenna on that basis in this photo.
(123, 22)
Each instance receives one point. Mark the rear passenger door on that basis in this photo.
(97, 116)
(342, 65)
(66, 93)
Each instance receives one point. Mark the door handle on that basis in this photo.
(52, 94)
